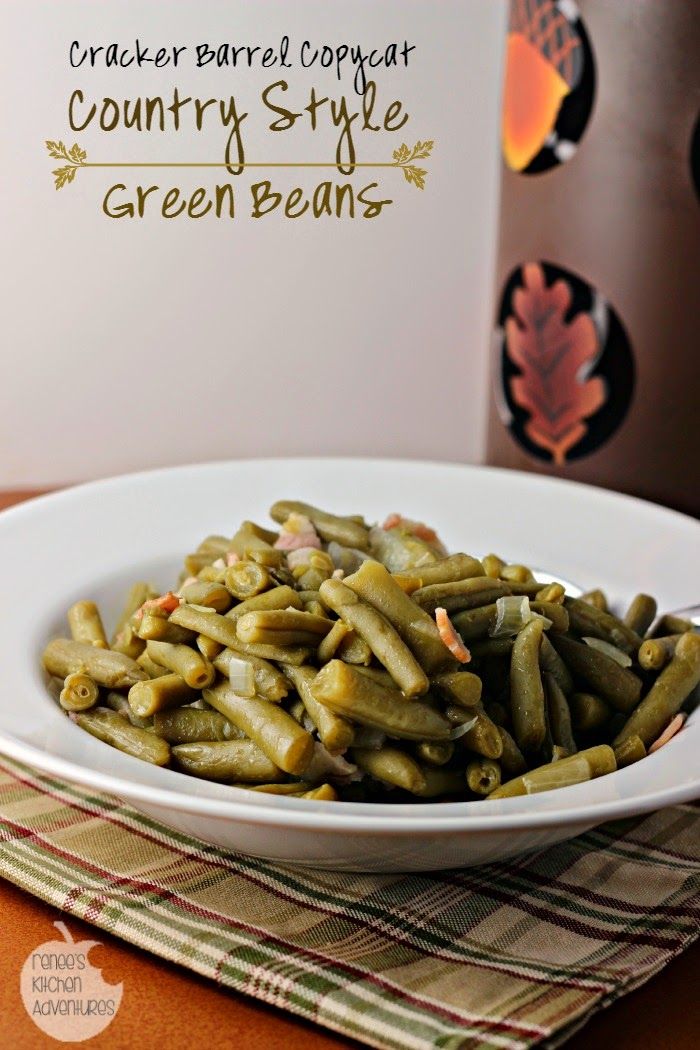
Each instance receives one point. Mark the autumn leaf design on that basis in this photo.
(554, 358)
(75, 157)
(404, 157)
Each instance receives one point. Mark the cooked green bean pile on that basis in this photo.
(329, 659)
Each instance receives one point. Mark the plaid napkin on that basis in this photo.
(504, 956)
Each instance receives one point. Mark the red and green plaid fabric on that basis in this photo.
(505, 956)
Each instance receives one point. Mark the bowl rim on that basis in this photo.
(404, 818)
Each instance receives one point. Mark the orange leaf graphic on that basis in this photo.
(554, 357)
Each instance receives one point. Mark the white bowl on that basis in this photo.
(92, 541)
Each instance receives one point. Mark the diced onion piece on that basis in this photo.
(201, 608)
(609, 650)
(512, 613)
(241, 676)
(460, 730)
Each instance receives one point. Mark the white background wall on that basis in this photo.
(128, 344)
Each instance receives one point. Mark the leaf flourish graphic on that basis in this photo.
(554, 357)
(75, 156)
(403, 156)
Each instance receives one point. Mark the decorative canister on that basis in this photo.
(595, 361)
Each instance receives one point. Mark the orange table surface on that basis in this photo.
(167, 1006)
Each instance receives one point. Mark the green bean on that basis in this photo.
(79, 693)
(281, 738)
(391, 766)
(198, 562)
(355, 696)
(354, 650)
(558, 715)
(212, 625)
(119, 703)
(215, 545)
(655, 653)
(517, 573)
(322, 793)
(630, 750)
(293, 788)
(551, 592)
(527, 692)
(269, 681)
(440, 782)
(596, 598)
(152, 669)
(348, 532)
(552, 663)
(588, 712)
(497, 712)
(447, 570)
(283, 654)
(209, 648)
(282, 627)
(379, 634)
(115, 670)
(585, 765)
(374, 584)
(284, 597)
(483, 776)
(487, 648)
(334, 732)
(667, 694)
(226, 760)
(145, 698)
(460, 594)
(641, 614)
(245, 579)
(248, 545)
(317, 568)
(138, 594)
(434, 752)
(587, 620)
(511, 759)
(459, 687)
(615, 684)
(493, 566)
(153, 627)
(187, 725)
(482, 737)
(188, 663)
(377, 674)
(110, 727)
(128, 643)
(556, 613)
(475, 623)
(670, 624)
(86, 625)
(210, 595)
(329, 645)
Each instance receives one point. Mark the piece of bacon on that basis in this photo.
(670, 731)
(168, 602)
(451, 637)
(297, 532)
